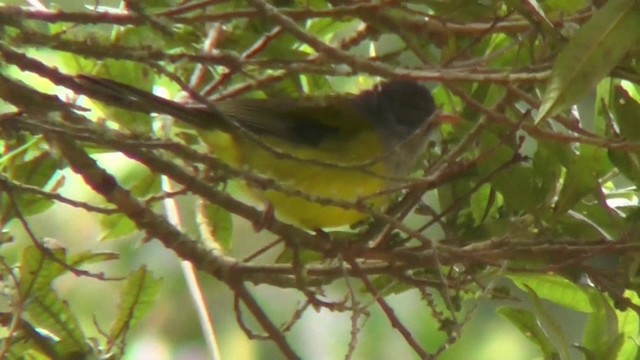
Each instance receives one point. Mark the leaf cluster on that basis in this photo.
(531, 195)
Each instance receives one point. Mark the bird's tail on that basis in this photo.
(127, 97)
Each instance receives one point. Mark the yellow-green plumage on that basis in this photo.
(344, 148)
(313, 180)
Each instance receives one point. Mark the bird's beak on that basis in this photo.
(447, 119)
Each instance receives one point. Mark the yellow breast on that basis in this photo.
(346, 182)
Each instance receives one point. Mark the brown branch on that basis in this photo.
(417, 25)
(274, 333)
(390, 314)
(14, 186)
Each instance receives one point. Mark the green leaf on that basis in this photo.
(549, 323)
(141, 182)
(30, 168)
(514, 183)
(547, 170)
(627, 117)
(627, 162)
(45, 309)
(529, 326)
(116, 226)
(629, 327)
(602, 336)
(566, 6)
(88, 257)
(627, 113)
(136, 298)
(582, 176)
(555, 289)
(591, 54)
(591, 220)
(218, 222)
(36, 345)
(37, 271)
(305, 257)
(485, 203)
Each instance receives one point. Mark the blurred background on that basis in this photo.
(171, 329)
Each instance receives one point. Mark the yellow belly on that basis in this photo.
(346, 184)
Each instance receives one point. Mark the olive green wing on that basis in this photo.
(301, 122)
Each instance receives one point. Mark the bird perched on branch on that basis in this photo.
(339, 155)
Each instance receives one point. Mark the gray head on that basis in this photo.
(397, 108)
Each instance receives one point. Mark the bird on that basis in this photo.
(340, 156)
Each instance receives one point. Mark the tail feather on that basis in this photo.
(130, 98)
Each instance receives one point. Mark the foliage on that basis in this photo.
(530, 195)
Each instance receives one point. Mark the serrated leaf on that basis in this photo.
(90, 257)
(136, 298)
(40, 344)
(529, 326)
(596, 48)
(44, 307)
(46, 310)
(36, 171)
(37, 271)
